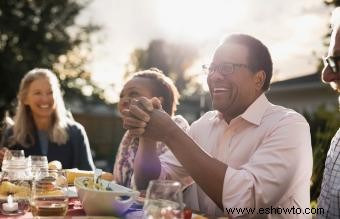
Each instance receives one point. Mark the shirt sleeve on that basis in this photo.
(275, 167)
(171, 168)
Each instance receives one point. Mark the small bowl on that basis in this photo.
(114, 201)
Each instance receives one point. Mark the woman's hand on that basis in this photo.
(146, 118)
(135, 118)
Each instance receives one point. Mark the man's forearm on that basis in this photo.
(207, 172)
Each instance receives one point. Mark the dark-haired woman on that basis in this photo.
(149, 83)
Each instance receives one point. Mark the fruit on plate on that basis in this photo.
(7, 188)
(54, 165)
(71, 174)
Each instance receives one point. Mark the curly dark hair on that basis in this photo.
(162, 86)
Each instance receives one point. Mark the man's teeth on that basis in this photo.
(220, 89)
(44, 106)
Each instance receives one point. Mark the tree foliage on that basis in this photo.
(332, 2)
(38, 33)
(323, 125)
(172, 59)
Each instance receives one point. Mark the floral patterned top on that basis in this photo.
(123, 167)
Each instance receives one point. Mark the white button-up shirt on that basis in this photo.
(269, 156)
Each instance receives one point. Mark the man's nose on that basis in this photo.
(216, 75)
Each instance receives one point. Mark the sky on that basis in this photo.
(292, 30)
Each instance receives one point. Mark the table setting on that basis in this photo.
(85, 202)
(42, 189)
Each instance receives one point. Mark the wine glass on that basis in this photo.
(163, 200)
(15, 154)
(12, 156)
(38, 163)
(49, 193)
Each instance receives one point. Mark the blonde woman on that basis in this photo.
(41, 125)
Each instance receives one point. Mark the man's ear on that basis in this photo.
(259, 79)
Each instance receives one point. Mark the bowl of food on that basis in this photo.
(104, 198)
(72, 174)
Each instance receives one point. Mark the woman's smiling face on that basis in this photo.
(40, 98)
(136, 87)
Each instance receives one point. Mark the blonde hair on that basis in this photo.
(24, 128)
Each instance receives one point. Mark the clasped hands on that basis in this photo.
(146, 118)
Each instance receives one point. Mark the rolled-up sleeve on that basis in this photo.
(172, 169)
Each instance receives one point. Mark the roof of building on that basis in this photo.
(303, 79)
(303, 82)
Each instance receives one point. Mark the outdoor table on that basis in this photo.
(75, 211)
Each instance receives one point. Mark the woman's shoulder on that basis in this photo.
(7, 137)
(7, 132)
(74, 126)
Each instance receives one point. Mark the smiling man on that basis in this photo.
(247, 155)
(329, 199)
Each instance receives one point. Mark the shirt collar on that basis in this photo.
(253, 113)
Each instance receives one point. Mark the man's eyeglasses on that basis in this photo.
(333, 62)
(224, 69)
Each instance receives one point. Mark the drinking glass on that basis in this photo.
(49, 193)
(15, 154)
(163, 200)
(12, 155)
(38, 163)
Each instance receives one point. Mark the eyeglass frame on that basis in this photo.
(207, 68)
(332, 62)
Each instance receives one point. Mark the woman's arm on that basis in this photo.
(147, 165)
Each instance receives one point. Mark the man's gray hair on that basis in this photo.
(335, 20)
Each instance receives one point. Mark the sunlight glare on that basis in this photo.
(199, 20)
